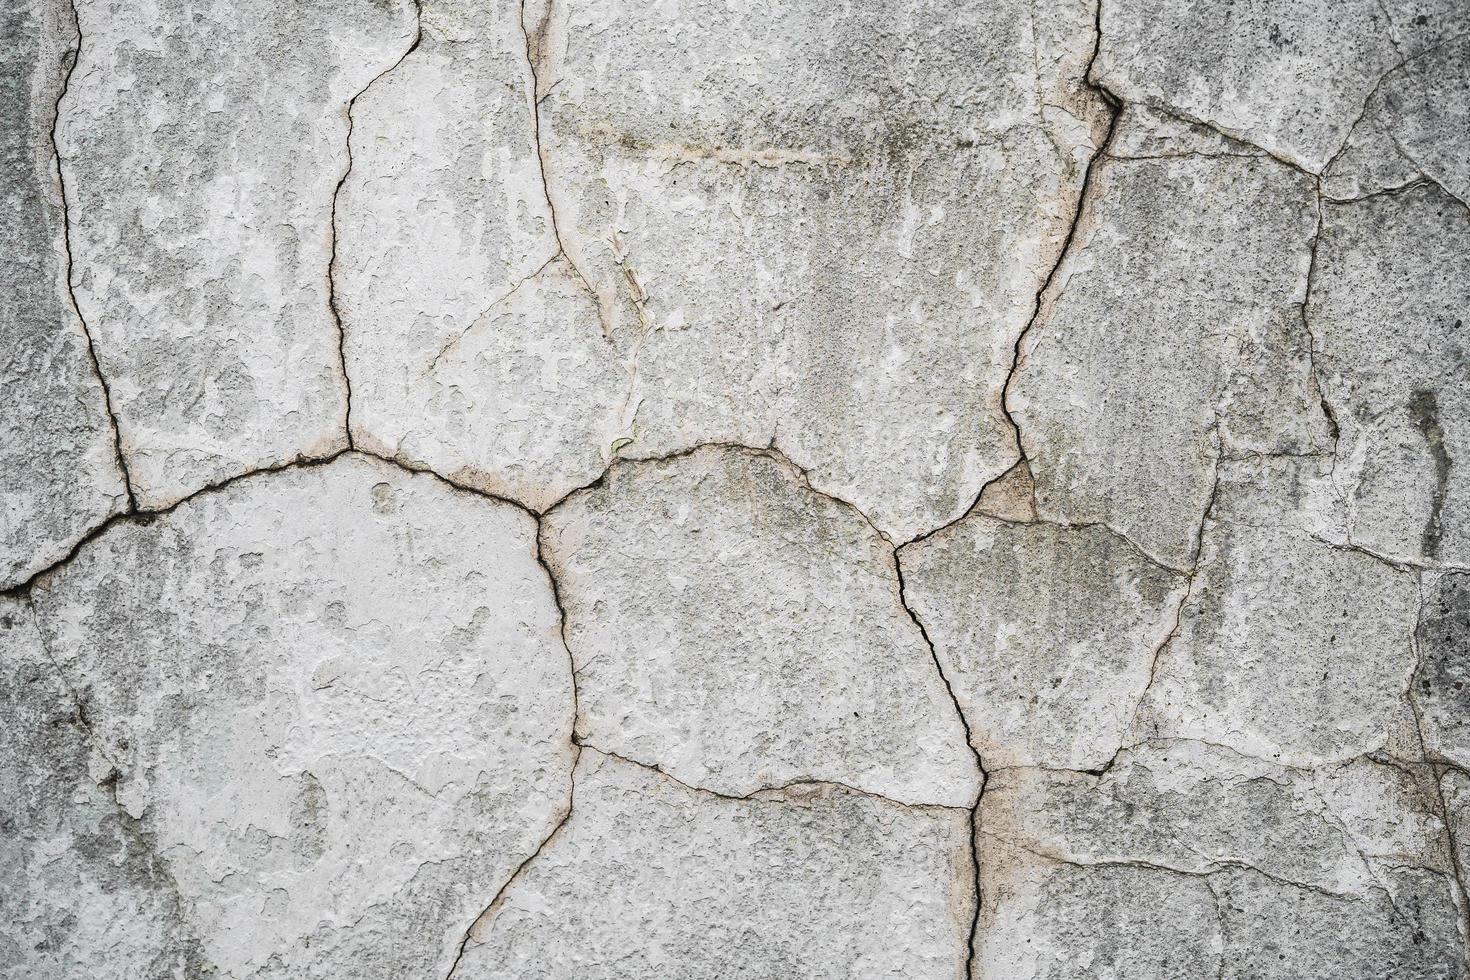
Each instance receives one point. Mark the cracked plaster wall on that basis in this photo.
(595, 489)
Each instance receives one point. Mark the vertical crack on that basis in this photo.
(576, 750)
(418, 36)
(979, 764)
(72, 58)
(1114, 107)
(535, 56)
(1192, 576)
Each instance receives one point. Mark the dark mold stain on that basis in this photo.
(1424, 413)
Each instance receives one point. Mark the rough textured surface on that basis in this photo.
(740, 632)
(59, 474)
(472, 346)
(1186, 859)
(1416, 124)
(83, 890)
(821, 227)
(1442, 683)
(1047, 633)
(1389, 305)
(342, 718)
(650, 877)
(201, 147)
(1290, 76)
(1288, 647)
(1172, 335)
(608, 489)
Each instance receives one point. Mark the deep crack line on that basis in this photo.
(1114, 107)
(117, 448)
(418, 36)
(500, 894)
(576, 752)
(144, 515)
(979, 764)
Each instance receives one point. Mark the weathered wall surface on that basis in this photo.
(705, 489)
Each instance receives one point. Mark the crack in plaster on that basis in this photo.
(72, 58)
(535, 40)
(418, 36)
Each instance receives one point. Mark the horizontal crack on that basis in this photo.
(762, 794)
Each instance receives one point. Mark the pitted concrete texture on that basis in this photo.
(600, 489)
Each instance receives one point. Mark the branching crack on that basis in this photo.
(1189, 584)
(144, 515)
(575, 746)
(979, 764)
(1114, 107)
(1347, 139)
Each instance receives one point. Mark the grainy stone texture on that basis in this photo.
(59, 474)
(1288, 647)
(819, 226)
(1290, 76)
(1172, 335)
(84, 891)
(1416, 124)
(607, 489)
(1389, 305)
(1442, 683)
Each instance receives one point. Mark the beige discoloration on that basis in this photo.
(609, 489)
(829, 244)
